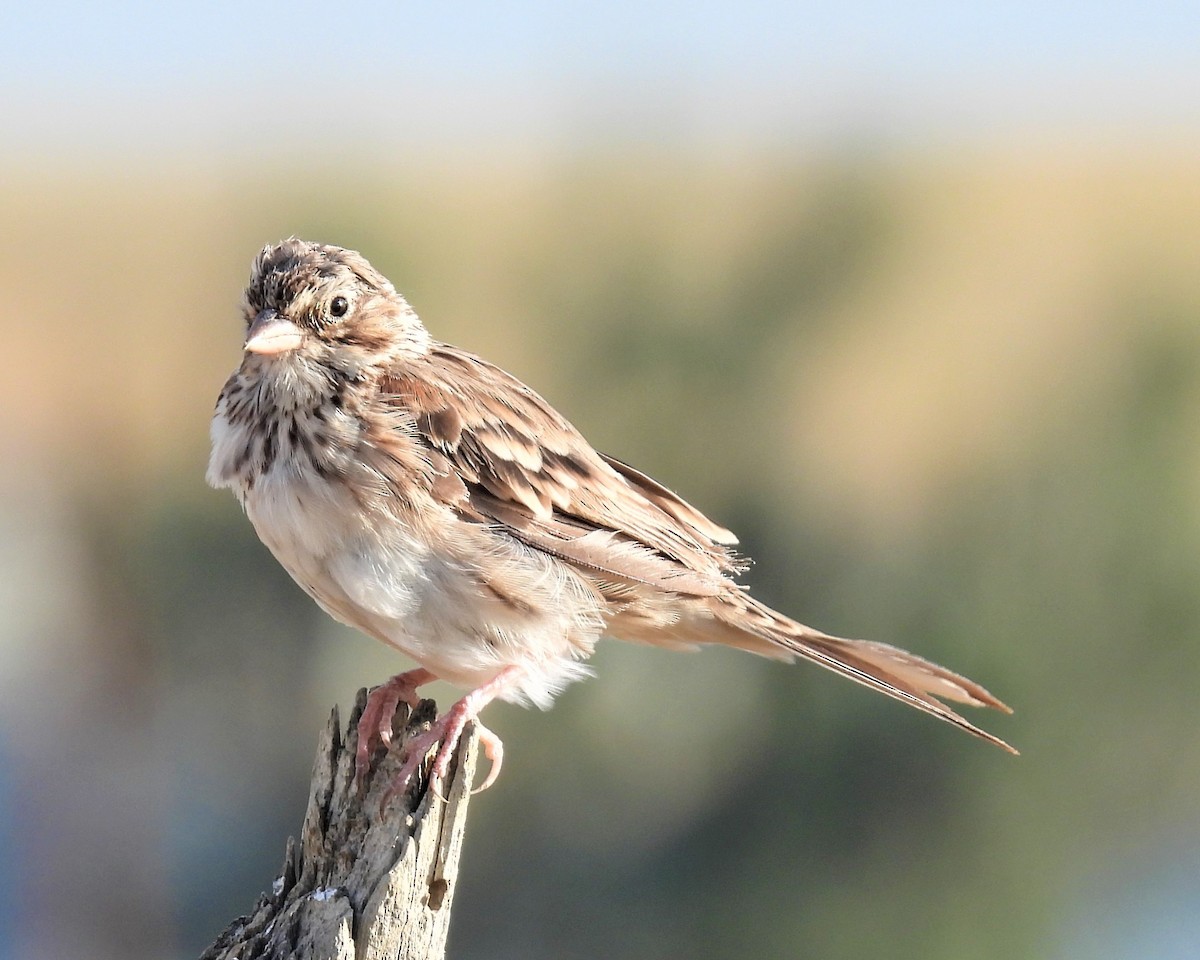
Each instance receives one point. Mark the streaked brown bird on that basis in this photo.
(438, 504)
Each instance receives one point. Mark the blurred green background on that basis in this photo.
(908, 298)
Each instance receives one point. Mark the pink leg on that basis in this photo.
(375, 725)
(447, 730)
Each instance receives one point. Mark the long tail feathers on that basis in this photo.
(890, 670)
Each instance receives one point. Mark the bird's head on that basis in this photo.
(315, 304)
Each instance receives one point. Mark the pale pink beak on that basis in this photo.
(270, 334)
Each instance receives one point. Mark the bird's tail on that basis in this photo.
(754, 626)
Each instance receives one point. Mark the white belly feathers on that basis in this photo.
(427, 603)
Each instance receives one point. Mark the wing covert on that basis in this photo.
(527, 469)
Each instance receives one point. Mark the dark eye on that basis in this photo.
(338, 306)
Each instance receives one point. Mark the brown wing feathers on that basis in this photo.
(671, 503)
(549, 482)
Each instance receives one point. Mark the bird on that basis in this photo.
(429, 499)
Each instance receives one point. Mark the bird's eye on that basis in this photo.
(338, 306)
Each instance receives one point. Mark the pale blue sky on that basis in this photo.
(256, 76)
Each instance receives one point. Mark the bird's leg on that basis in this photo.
(446, 731)
(375, 725)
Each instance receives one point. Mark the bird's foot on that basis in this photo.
(375, 724)
(446, 731)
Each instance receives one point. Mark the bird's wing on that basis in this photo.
(502, 454)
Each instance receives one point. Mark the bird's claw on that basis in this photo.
(375, 724)
(445, 734)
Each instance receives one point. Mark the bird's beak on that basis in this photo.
(270, 334)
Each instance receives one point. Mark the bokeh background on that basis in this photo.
(905, 294)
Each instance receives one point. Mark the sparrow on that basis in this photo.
(436, 503)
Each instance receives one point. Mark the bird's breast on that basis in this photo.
(362, 567)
